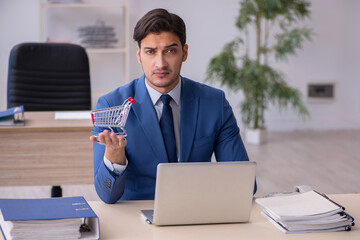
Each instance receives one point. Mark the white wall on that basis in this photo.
(19, 22)
(331, 56)
(352, 58)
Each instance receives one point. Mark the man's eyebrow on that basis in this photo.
(151, 48)
(172, 45)
(168, 46)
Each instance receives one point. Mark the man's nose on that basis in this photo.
(160, 61)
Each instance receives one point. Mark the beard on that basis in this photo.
(165, 81)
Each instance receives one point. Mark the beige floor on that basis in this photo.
(328, 161)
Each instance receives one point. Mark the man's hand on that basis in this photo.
(114, 146)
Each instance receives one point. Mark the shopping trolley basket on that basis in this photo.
(113, 117)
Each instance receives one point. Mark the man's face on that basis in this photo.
(161, 56)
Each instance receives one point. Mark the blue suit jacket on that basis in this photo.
(207, 126)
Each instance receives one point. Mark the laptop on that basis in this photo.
(202, 193)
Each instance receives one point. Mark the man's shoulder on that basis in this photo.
(129, 87)
(120, 94)
(201, 89)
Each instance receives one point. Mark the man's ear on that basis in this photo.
(138, 54)
(185, 51)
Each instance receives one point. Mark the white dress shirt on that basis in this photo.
(175, 104)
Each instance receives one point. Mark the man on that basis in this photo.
(202, 121)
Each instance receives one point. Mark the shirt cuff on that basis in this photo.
(114, 167)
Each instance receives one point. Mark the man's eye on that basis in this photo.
(171, 51)
(149, 51)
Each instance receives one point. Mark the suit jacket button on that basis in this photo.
(108, 183)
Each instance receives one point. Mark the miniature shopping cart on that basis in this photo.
(113, 117)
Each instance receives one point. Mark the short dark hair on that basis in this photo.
(157, 21)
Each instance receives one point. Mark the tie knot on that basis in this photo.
(166, 98)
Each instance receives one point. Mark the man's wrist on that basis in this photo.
(114, 167)
(117, 157)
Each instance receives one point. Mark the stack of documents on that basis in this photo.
(305, 212)
(42, 229)
(12, 117)
(48, 218)
(98, 36)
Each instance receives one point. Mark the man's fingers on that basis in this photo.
(93, 139)
(122, 142)
(114, 139)
(118, 141)
(110, 139)
(104, 137)
(107, 138)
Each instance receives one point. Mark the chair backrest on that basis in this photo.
(49, 77)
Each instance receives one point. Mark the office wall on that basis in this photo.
(352, 57)
(19, 22)
(332, 56)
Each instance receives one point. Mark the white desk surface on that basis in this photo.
(123, 221)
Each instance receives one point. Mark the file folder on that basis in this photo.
(12, 116)
(39, 213)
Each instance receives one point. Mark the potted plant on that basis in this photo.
(273, 23)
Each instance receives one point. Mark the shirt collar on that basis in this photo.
(155, 95)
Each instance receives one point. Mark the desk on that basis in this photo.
(123, 221)
(46, 152)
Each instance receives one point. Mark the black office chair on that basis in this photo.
(49, 77)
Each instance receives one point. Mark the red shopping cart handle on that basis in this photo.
(131, 100)
(92, 118)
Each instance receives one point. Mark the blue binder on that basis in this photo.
(12, 116)
(52, 208)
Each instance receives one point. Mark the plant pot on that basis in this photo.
(255, 136)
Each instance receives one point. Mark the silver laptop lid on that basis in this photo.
(206, 192)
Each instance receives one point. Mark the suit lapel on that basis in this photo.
(145, 113)
(188, 121)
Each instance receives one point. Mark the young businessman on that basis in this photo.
(201, 119)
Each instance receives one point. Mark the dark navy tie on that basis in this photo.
(167, 128)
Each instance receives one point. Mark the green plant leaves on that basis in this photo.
(260, 83)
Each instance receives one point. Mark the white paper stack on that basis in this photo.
(42, 229)
(305, 212)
